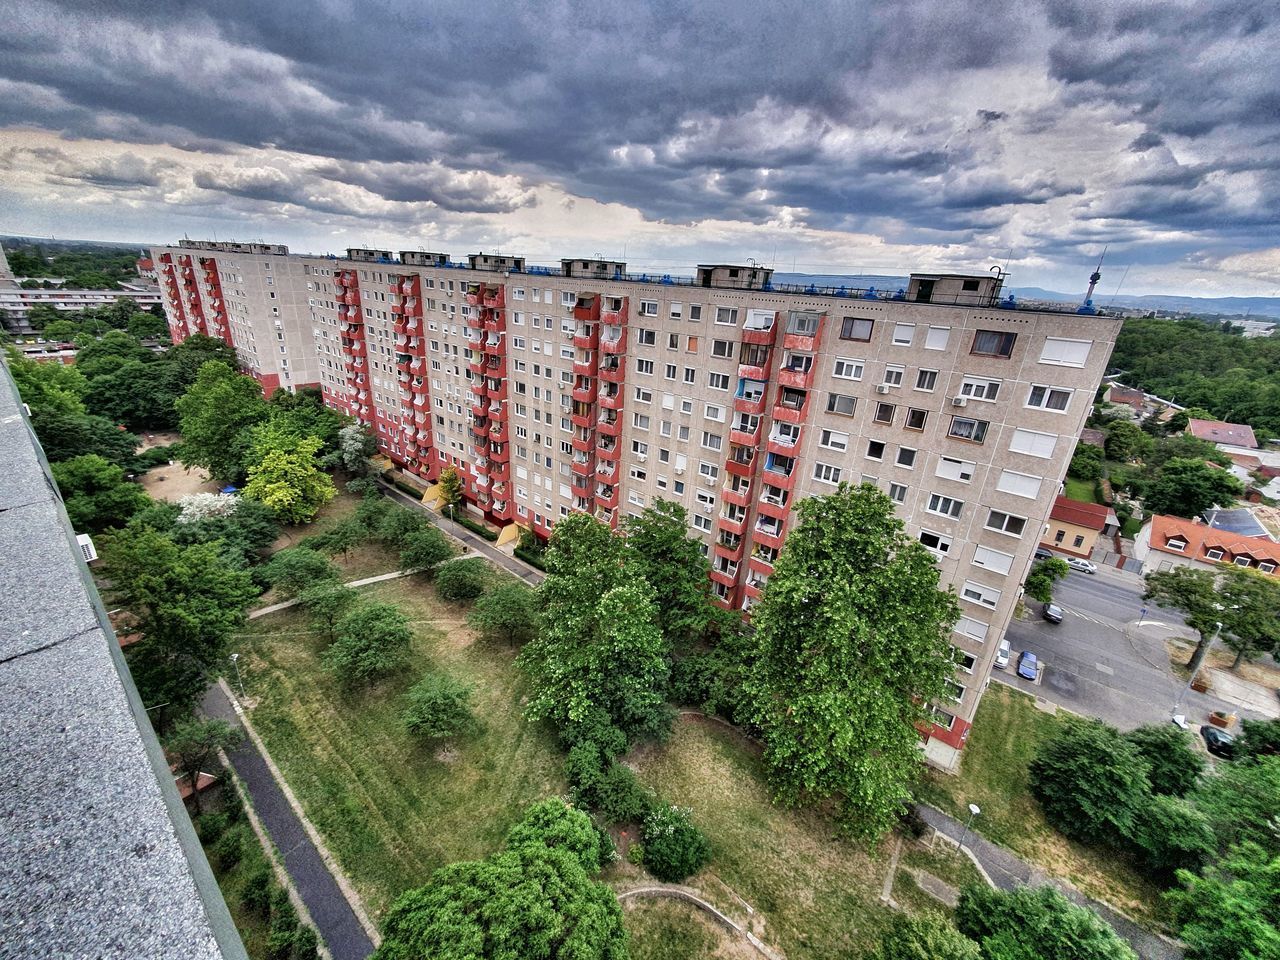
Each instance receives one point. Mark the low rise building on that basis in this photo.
(1168, 542)
(1219, 431)
(1074, 526)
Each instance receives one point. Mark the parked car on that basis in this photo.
(1003, 653)
(1043, 554)
(1028, 665)
(1053, 613)
(1218, 742)
(1084, 566)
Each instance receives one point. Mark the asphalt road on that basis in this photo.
(1107, 659)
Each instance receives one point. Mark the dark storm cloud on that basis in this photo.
(726, 110)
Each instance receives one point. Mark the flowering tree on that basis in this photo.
(204, 506)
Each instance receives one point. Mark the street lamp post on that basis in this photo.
(235, 662)
(974, 810)
(1195, 670)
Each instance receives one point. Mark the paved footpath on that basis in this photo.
(334, 918)
(1007, 872)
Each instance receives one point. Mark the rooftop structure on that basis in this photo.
(97, 855)
(1238, 520)
(1091, 515)
(1218, 431)
(232, 246)
(1168, 542)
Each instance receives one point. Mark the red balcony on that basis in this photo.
(502, 510)
(618, 345)
(615, 318)
(498, 433)
(782, 448)
(752, 591)
(481, 467)
(421, 401)
(737, 527)
(758, 564)
(608, 472)
(585, 444)
(740, 468)
(475, 339)
(607, 500)
(582, 468)
(493, 298)
(727, 579)
(585, 368)
(493, 322)
(498, 392)
(351, 298)
(745, 438)
(616, 375)
(609, 428)
(611, 401)
(750, 335)
(588, 312)
(496, 346)
(778, 478)
(475, 292)
(500, 453)
(355, 348)
(773, 509)
(791, 413)
(733, 554)
(584, 421)
(500, 471)
(610, 451)
(740, 497)
(750, 372)
(587, 340)
(769, 539)
(800, 379)
(403, 363)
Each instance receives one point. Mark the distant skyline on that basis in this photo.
(820, 138)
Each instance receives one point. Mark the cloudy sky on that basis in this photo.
(825, 138)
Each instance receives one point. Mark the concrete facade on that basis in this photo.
(603, 391)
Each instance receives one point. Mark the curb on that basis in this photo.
(689, 896)
(330, 861)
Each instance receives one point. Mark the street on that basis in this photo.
(1106, 659)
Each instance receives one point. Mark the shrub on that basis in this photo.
(293, 570)
(673, 847)
(635, 853)
(508, 612)
(283, 916)
(361, 486)
(534, 558)
(256, 893)
(621, 797)
(1090, 781)
(438, 706)
(474, 526)
(925, 937)
(709, 680)
(595, 727)
(306, 944)
(229, 848)
(210, 826)
(1035, 924)
(1173, 835)
(425, 550)
(913, 824)
(398, 524)
(584, 769)
(1175, 766)
(461, 580)
(372, 639)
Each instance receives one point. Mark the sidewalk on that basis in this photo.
(1008, 872)
(475, 544)
(335, 920)
(286, 604)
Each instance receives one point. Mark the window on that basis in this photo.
(1065, 353)
(841, 404)
(708, 470)
(670, 373)
(946, 506)
(939, 543)
(875, 449)
(676, 310)
(702, 523)
(846, 369)
(712, 441)
(977, 388)
(722, 348)
(640, 421)
(1048, 398)
(980, 594)
(936, 338)
(916, 418)
(712, 412)
(645, 367)
(644, 395)
(695, 311)
(855, 328)
(727, 315)
(803, 323)
(1079, 542)
(969, 627)
(926, 379)
(992, 560)
(1006, 523)
(648, 308)
(1032, 443)
(1018, 484)
(903, 334)
(965, 428)
(884, 413)
(1176, 544)
(1214, 554)
(965, 662)
(993, 343)
(673, 341)
(647, 338)
(897, 493)
(906, 458)
(834, 440)
(718, 381)
(1060, 536)
(1239, 561)
(826, 473)
(893, 375)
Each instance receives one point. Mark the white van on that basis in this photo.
(1003, 654)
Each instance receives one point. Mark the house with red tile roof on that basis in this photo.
(1074, 526)
(1168, 542)
(1219, 431)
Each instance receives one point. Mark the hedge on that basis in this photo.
(533, 558)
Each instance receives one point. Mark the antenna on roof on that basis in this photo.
(1095, 276)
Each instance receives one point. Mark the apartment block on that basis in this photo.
(585, 387)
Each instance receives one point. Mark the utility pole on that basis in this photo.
(974, 810)
(1196, 663)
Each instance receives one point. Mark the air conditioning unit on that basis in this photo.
(708, 507)
(708, 481)
(959, 401)
(679, 471)
(882, 388)
(643, 457)
(87, 549)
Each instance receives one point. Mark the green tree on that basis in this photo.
(354, 448)
(672, 562)
(1193, 593)
(1126, 441)
(47, 386)
(925, 936)
(462, 580)
(146, 326)
(67, 435)
(534, 899)
(508, 612)
(856, 601)
(1172, 835)
(109, 353)
(1232, 911)
(1186, 446)
(450, 488)
(193, 747)
(284, 474)
(241, 535)
(141, 395)
(96, 494)
(1035, 923)
(1181, 418)
(303, 413)
(294, 569)
(437, 707)
(1090, 781)
(399, 524)
(372, 639)
(344, 536)
(1187, 488)
(1259, 738)
(328, 602)
(213, 416)
(425, 550)
(187, 601)
(1042, 576)
(1251, 613)
(1086, 462)
(186, 358)
(673, 847)
(1241, 801)
(1174, 766)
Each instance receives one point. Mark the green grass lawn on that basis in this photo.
(366, 560)
(817, 893)
(670, 930)
(391, 810)
(993, 774)
(1083, 490)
